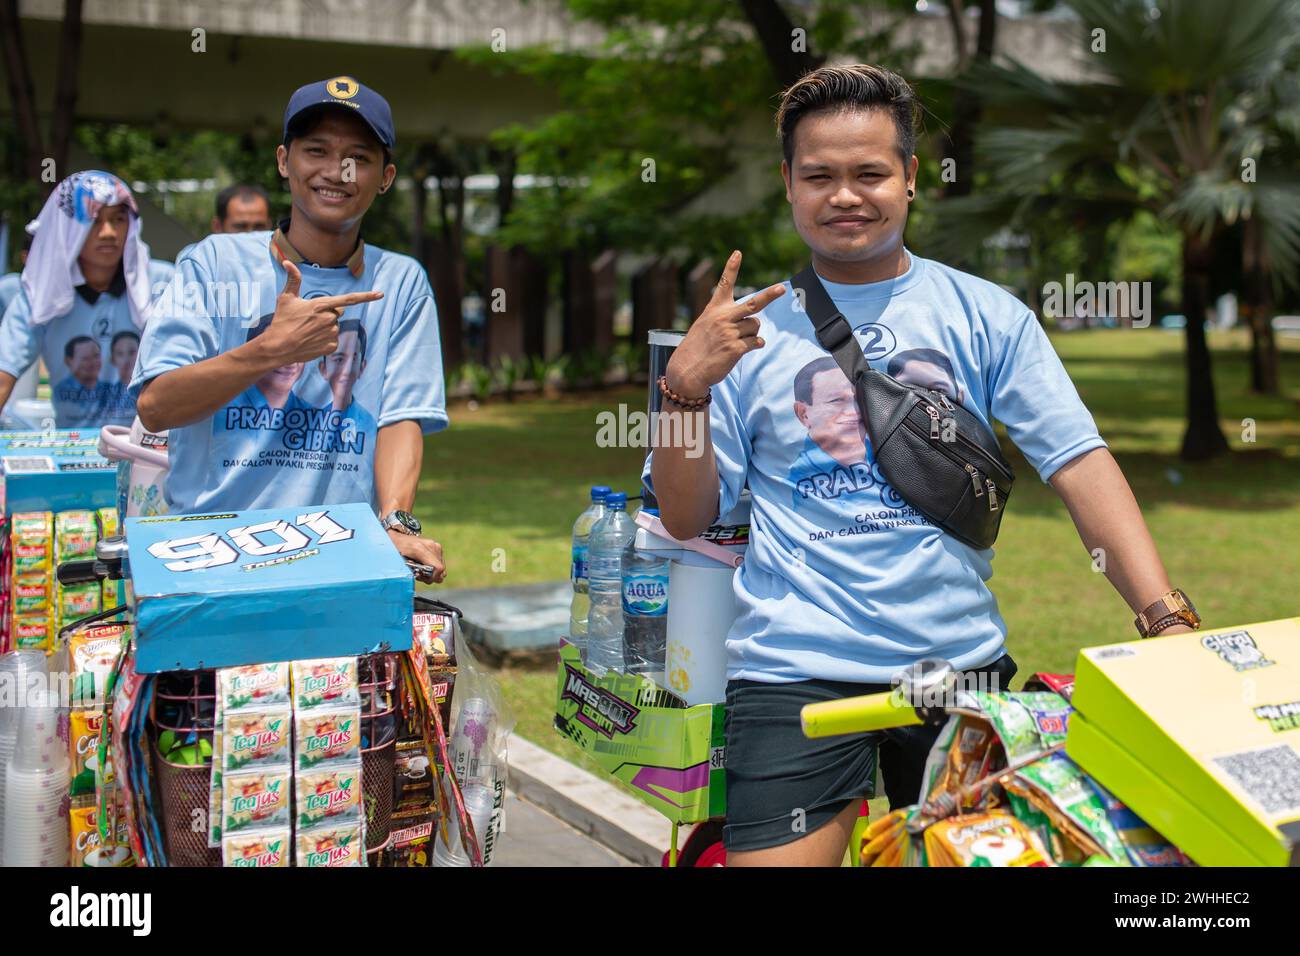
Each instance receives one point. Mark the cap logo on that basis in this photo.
(342, 87)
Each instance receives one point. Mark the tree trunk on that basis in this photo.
(65, 93)
(1257, 309)
(776, 37)
(18, 77)
(967, 105)
(1204, 438)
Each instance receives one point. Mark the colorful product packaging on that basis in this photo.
(83, 747)
(86, 842)
(30, 632)
(327, 736)
(75, 535)
(328, 682)
(410, 842)
(995, 839)
(31, 540)
(331, 846)
(414, 777)
(265, 848)
(92, 652)
(255, 738)
(329, 796)
(253, 685)
(257, 799)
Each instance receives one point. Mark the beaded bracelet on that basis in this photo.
(689, 404)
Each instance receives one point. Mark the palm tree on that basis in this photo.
(1177, 124)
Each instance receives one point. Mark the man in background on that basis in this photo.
(242, 207)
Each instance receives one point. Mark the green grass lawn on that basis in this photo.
(501, 487)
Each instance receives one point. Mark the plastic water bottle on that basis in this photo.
(645, 610)
(609, 538)
(578, 569)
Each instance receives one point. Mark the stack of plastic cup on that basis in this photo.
(21, 673)
(478, 804)
(36, 789)
(471, 742)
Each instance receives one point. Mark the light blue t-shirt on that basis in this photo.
(11, 283)
(842, 579)
(294, 450)
(89, 352)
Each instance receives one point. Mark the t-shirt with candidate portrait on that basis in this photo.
(89, 351)
(843, 580)
(282, 443)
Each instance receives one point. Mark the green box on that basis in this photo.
(670, 755)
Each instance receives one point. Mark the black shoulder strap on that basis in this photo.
(833, 330)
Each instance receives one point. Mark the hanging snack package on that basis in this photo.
(255, 739)
(92, 652)
(253, 685)
(1144, 846)
(410, 841)
(330, 846)
(328, 682)
(31, 540)
(30, 632)
(30, 597)
(75, 534)
(326, 737)
(1027, 723)
(254, 800)
(1059, 789)
(261, 849)
(327, 796)
(984, 839)
(969, 758)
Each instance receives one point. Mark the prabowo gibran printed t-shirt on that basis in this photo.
(89, 351)
(842, 579)
(303, 434)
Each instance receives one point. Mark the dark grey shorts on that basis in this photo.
(782, 786)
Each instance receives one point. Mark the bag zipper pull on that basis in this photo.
(943, 400)
(934, 422)
(993, 494)
(974, 480)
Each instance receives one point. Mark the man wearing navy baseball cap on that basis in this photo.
(208, 362)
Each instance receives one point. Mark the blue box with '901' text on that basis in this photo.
(217, 590)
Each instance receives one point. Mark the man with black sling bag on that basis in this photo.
(878, 485)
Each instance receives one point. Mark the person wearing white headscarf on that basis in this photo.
(85, 296)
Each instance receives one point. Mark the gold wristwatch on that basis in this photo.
(1174, 607)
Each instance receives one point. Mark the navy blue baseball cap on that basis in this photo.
(346, 92)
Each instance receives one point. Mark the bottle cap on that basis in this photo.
(616, 500)
(599, 492)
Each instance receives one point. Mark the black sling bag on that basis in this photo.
(939, 457)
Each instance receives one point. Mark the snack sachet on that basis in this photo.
(1059, 790)
(31, 541)
(994, 839)
(326, 682)
(1027, 723)
(255, 738)
(327, 736)
(327, 796)
(75, 535)
(253, 685)
(254, 800)
(259, 850)
(1144, 846)
(331, 846)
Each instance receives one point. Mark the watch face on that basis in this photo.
(407, 521)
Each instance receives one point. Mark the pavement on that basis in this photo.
(533, 837)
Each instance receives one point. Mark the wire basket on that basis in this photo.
(184, 703)
(378, 680)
